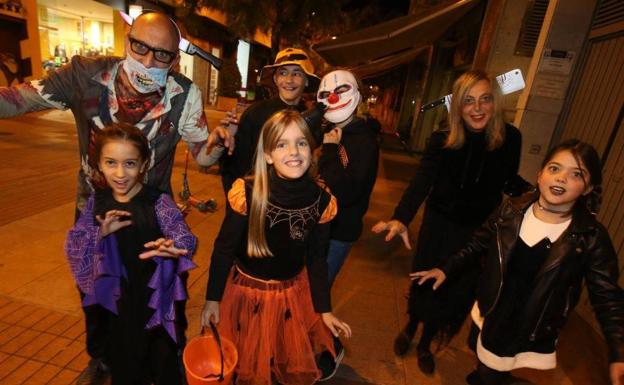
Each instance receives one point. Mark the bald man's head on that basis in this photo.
(155, 30)
(160, 27)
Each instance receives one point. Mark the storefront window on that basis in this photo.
(74, 27)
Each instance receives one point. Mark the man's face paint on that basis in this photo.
(339, 92)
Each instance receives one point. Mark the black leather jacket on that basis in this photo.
(583, 251)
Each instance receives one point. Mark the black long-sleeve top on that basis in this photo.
(351, 175)
(297, 234)
(240, 162)
(464, 185)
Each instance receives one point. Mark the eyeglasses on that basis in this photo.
(142, 49)
(485, 99)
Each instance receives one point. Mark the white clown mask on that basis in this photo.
(339, 92)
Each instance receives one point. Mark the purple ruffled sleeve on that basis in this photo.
(80, 248)
(167, 280)
(94, 262)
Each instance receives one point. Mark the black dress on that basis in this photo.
(462, 187)
(137, 355)
(501, 333)
(270, 306)
(295, 244)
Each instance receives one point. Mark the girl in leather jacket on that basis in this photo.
(538, 249)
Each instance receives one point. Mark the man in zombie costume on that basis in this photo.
(292, 74)
(348, 162)
(139, 89)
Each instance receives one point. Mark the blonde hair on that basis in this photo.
(271, 132)
(495, 130)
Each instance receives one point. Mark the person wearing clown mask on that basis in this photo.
(140, 89)
(348, 162)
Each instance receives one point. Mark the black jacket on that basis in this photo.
(583, 252)
(351, 185)
(464, 185)
(239, 164)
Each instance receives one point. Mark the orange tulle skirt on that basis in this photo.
(275, 329)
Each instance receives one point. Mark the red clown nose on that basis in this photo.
(333, 98)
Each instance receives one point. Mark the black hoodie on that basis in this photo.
(351, 184)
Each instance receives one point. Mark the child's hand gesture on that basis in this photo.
(393, 227)
(335, 325)
(422, 276)
(210, 313)
(162, 248)
(617, 373)
(112, 221)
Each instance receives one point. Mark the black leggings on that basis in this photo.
(97, 328)
(159, 364)
(97, 324)
(430, 329)
(489, 376)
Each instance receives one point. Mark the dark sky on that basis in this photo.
(388, 7)
(370, 12)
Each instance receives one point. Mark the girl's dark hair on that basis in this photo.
(119, 131)
(585, 154)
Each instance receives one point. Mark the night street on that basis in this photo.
(41, 325)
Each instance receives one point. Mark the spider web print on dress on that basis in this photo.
(297, 218)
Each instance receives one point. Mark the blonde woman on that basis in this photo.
(461, 175)
(268, 286)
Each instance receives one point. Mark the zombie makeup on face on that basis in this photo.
(562, 181)
(478, 106)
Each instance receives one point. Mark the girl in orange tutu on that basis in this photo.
(268, 286)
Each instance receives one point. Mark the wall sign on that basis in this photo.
(553, 74)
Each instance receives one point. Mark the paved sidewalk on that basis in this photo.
(39, 345)
(41, 324)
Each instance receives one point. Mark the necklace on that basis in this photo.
(563, 213)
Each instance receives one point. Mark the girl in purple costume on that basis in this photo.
(129, 252)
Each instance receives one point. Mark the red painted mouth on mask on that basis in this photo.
(340, 106)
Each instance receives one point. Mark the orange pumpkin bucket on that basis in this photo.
(208, 358)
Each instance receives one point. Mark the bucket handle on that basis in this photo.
(217, 337)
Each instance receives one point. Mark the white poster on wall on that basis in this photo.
(554, 73)
(556, 61)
